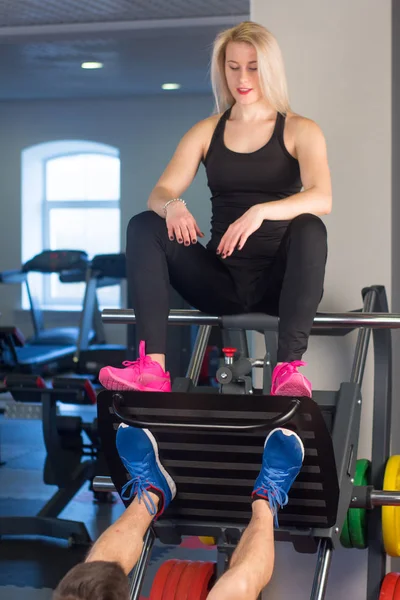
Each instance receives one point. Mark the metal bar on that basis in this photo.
(103, 484)
(385, 498)
(177, 316)
(375, 320)
(322, 570)
(139, 572)
(197, 357)
(86, 316)
(276, 421)
(257, 362)
(36, 313)
(367, 497)
(98, 325)
(381, 420)
(361, 350)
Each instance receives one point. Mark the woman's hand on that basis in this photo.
(239, 231)
(181, 224)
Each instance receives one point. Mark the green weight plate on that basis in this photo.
(345, 536)
(357, 517)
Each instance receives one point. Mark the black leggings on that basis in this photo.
(291, 286)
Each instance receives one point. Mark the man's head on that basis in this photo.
(97, 580)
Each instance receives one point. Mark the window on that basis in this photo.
(78, 188)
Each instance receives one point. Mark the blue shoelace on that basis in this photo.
(270, 484)
(137, 486)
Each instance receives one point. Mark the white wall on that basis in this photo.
(338, 60)
(145, 129)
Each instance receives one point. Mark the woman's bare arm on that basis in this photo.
(183, 166)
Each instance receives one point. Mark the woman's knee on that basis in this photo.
(309, 227)
(145, 221)
(143, 228)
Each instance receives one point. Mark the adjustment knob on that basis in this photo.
(229, 354)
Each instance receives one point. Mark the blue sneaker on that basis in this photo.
(138, 451)
(282, 460)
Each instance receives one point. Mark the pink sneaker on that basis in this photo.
(143, 375)
(287, 381)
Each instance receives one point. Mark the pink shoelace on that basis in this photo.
(288, 368)
(141, 362)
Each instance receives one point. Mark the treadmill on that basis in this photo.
(48, 351)
(104, 270)
(110, 269)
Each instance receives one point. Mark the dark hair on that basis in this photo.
(97, 580)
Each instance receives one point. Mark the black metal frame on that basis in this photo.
(21, 277)
(104, 270)
(43, 354)
(381, 431)
(64, 466)
(342, 410)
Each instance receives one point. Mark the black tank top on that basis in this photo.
(239, 180)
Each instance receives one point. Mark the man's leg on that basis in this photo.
(122, 542)
(253, 560)
(103, 574)
(252, 563)
(152, 488)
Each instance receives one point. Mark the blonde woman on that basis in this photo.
(268, 173)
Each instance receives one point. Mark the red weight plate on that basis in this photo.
(396, 595)
(389, 585)
(160, 579)
(201, 581)
(172, 582)
(185, 582)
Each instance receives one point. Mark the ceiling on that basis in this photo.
(142, 44)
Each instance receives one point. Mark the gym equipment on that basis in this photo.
(105, 270)
(390, 589)
(71, 265)
(357, 517)
(391, 514)
(49, 350)
(194, 430)
(207, 540)
(354, 532)
(183, 579)
(345, 535)
(70, 462)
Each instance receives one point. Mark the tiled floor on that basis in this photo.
(30, 568)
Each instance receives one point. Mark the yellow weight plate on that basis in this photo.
(207, 540)
(391, 514)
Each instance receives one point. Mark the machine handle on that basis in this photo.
(251, 321)
(275, 422)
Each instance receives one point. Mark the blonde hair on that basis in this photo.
(271, 68)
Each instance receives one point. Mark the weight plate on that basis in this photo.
(396, 595)
(159, 580)
(202, 581)
(207, 540)
(391, 514)
(173, 578)
(357, 517)
(388, 587)
(185, 582)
